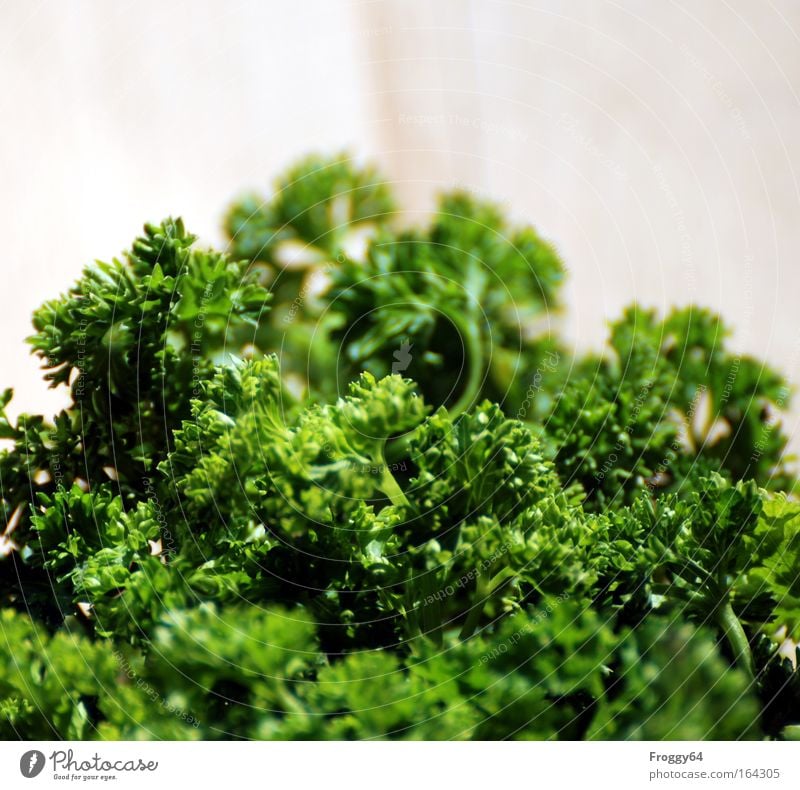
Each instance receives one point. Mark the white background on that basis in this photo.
(655, 142)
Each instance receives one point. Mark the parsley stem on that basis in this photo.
(388, 484)
(473, 356)
(475, 612)
(474, 360)
(290, 703)
(736, 638)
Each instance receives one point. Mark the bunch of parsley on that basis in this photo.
(344, 480)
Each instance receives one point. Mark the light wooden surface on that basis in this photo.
(656, 143)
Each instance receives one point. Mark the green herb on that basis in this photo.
(345, 482)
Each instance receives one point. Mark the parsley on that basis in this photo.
(342, 481)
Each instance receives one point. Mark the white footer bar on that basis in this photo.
(406, 766)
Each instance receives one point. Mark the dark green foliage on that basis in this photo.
(131, 335)
(668, 404)
(133, 339)
(392, 507)
(317, 202)
(455, 306)
(322, 209)
(461, 307)
(670, 683)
